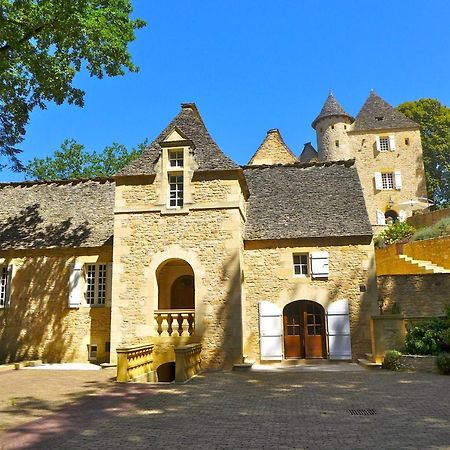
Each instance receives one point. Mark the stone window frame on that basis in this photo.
(175, 192)
(96, 284)
(176, 158)
(384, 143)
(302, 266)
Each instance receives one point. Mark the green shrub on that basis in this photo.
(398, 232)
(428, 337)
(391, 360)
(443, 363)
(440, 228)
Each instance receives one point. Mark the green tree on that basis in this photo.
(434, 119)
(73, 161)
(43, 44)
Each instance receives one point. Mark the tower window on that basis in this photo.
(406, 141)
(175, 191)
(384, 144)
(387, 180)
(345, 127)
(336, 143)
(332, 127)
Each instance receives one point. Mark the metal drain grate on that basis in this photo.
(362, 412)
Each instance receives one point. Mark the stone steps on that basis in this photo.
(427, 266)
(368, 364)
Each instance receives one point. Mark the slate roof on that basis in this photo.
(207, 153)
(331, 108)
(305, 201)
(56, 214)
(377, 114)
(309, 154)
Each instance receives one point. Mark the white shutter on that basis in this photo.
(9, 275)
(381, 219)
(402, 215)
(319, 264)
(392, 143)
(378, 182)
(75, 285)
(398, 179)
(338, 330)
(378, 144)
(108, 283)
(270, 331)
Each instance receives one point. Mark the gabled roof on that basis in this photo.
(56, 214)
(273, 150)
(309, 154)
(331, 108)
(305, 201)
(207, 153)
(377, 114)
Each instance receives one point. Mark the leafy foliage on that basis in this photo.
(72, 161)
(395, 233)
(429, 337)
(434, 119)
(391, 360)
(443, 363)
(44, 43)
(440, 228)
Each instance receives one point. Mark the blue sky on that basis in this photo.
(253, 65)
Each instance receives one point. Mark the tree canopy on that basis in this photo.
(43, 44)
(73, 161)
(434, 119)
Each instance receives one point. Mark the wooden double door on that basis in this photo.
(304, 330)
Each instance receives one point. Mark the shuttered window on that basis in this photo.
(301, 264)
(96, 284)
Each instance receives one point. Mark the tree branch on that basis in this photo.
(32, 33)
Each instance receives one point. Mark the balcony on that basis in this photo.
(175, 322)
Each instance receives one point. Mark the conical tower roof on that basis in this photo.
(188, 123)
(377, 114)
(273, 150)
(331, 108)
(309, 154)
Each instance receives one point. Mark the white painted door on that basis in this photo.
(338, 330)
(270, 331)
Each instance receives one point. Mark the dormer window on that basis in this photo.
(176, 158)
(176, 190)
(379, 118)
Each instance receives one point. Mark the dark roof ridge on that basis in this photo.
(59, 181)
(305, 165)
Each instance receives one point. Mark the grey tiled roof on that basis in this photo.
(56, 214)
(308, 154)
(331, 108)
(377, 114)
(207, 153)
(305, 201)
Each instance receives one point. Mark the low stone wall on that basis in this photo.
(436, 250)
(415, 295)
(429, 218)
(420, 363)
(187, 361)
(134, 363)
(388, 262)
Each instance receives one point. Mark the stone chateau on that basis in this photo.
(261, 262)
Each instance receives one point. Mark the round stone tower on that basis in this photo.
(331, 127)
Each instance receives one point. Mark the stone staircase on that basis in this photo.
(426, 266)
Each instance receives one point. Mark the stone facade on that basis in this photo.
(38, 323)
(270, 276)
(341, 137)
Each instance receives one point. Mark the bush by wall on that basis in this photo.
(440, 228)
(391, 360)
(443, 363)
(398, 232)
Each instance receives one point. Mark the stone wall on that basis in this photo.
(208, 237)
(436, 250)
(428, 218)
(38, 322)
(406, 158)
(415, 295)
(269, 276)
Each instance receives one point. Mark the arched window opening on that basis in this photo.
(391, 216)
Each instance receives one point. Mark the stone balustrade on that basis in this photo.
(134, 363)
(187, 361)
(175, 322)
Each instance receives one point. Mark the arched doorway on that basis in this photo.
(391, 216)
(304, 330)
(176, 285)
